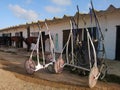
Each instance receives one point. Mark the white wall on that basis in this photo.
(56, 29)
(0, 34)
(107, 22)
(110, 22)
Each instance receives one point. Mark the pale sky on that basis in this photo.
(15, 12)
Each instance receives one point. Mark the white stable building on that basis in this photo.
(109, 20)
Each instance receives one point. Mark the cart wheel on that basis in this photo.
(29, 66)
(50, 68)
(92, 80)
(103, 71)
(58, 66)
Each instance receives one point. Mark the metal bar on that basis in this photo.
(89, 53)
(79, 67)
(94, 52)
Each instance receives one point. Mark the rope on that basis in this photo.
(67, 43)
(51, 43)
(38, 47)
(32, 52)
(88, 39)
(96, 20)
(89, 50)
(43, 55)
(72, 41)
(101, 38)
(94, 52)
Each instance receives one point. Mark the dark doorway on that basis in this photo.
(77, 34)
(21, 41)
(65, 38)
(118, 43)
(28, 31)
(10, 43)
(43, 35)
(6, 39)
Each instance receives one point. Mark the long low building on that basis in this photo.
(109, 20)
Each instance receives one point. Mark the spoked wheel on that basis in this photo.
(92, 77)
(58, 66)
(30, 66)
(103, 71)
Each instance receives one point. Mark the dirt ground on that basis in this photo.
(14, 77)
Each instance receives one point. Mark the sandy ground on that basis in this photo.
(14, 77)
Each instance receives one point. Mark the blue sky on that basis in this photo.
(15, 12)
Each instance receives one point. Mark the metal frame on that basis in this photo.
(58, 64)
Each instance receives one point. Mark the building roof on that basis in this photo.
(110, 9)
